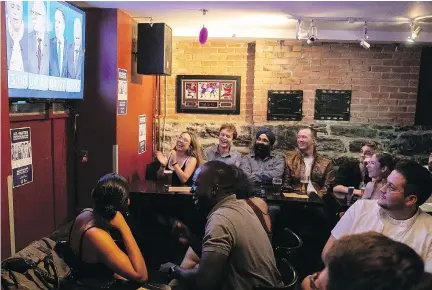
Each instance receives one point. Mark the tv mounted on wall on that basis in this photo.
(45, 50)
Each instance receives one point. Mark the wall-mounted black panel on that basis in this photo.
(284, 105)
(333, 105)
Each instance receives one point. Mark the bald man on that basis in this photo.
(38, 40)
(75, 54)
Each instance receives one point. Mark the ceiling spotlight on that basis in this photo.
(415, 31)
(151, 22)
(363, 41)
(312, 33)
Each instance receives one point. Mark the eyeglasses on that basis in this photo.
(183, 139)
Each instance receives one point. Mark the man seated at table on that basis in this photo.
(353, 173)
(306, 164)
(262, 165)
(236, 252)
(222, 151)
(396, 214)
(369, 261)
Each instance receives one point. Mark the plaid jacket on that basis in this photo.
(322, 175)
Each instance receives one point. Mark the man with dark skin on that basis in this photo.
(236, 252)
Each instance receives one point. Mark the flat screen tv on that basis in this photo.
(45, 50)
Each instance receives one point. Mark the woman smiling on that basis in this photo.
(183, 159)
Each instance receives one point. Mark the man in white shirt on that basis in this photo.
(16, 37)
(396, 214)
(38, 41)
(59, 47)
(75, 54)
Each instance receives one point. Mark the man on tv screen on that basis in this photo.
(75, 53)
(59, 47)
(16, 37)
(38, 46)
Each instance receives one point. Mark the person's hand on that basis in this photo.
(173, 158)
(118, 222)
(165, 268)
(161, 157)
(180, 231)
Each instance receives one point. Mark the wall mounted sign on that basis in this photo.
(122, 95)
(142, 133)
(21, 156)
(208, 94)
(285, 105)
(333, 105)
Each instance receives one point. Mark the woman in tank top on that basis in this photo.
(183, 159)
(93, 252)
(379, 168)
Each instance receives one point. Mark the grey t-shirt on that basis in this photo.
(212, 153)
(234, 230)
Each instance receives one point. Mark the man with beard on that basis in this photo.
(305, 164)
(396, 214)
(262, 165)
(236, 251)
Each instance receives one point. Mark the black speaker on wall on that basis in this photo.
(154, 49)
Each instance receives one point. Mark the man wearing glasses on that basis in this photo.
(396, 214)
(39, 49)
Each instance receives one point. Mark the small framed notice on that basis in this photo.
(333, 105)
(284, 105)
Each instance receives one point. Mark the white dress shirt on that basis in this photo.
(16, 61)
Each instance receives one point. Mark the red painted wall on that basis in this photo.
(140, 102)
(5, 144)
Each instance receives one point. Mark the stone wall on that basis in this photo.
(338, 141)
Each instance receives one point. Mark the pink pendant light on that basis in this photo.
(203, 35)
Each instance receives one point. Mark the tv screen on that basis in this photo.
(45, 50)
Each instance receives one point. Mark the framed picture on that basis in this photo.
(333, 105)
(284, 105)
(208, 94)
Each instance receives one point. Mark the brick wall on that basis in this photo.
(384, 82)
(212, 58)
(384, 85)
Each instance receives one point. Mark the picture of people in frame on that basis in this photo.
(190, 90)
(226, 91)
(209, 90)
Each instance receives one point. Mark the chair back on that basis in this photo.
(286, 244)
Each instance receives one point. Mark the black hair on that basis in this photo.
(110, 195)
(418, 180)
(223, 176)
(242, 187)
(385, 159)
(372, 261)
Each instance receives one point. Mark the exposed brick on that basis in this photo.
(399, 96)
(401, 69)
(385, 89)
(381, 69)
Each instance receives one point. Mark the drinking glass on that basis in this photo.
(277, 185)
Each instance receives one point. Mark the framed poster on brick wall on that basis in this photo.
(333, 105)
(208, 94)
(284, 105)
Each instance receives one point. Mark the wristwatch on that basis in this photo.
(171, 270)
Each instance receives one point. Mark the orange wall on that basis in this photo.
(5, 145)
(140, 102)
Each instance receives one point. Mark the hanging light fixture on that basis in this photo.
(203, 35)
(363, 41)
(415, 31)
(312, 33)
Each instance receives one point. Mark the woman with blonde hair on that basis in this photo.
(183, 159)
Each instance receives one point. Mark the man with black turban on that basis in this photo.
(262, 165)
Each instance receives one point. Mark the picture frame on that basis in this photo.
(208, 94)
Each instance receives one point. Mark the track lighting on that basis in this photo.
(363, 41)
(415, 31)
(151, 22)
(312, 33)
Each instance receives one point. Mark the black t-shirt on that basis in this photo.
(349, 174)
